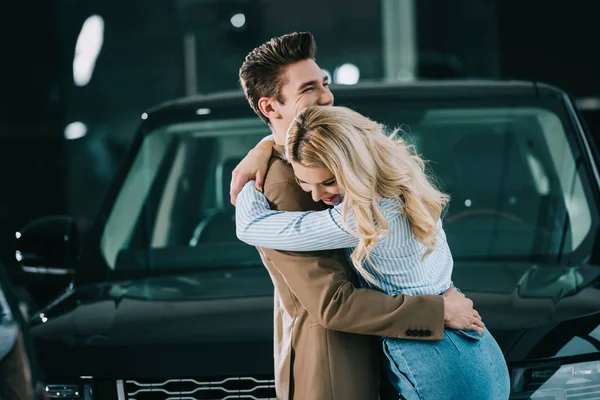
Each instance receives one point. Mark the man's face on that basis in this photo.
(305, 85)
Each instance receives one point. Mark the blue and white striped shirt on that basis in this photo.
(398, 256)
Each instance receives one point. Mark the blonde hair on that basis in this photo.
(368, 165)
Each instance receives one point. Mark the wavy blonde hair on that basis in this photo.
(368, 164)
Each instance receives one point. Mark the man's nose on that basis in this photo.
(326, 98)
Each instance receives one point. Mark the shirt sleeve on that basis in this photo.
(258, 225)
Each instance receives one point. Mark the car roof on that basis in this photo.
(233, 104)
(408, 90)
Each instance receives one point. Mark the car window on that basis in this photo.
(508, 170)
(179, 188)
(569, 177)
(517, 190)
(130, 201)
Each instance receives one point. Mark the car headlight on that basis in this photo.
(557, 380)
(69, 392)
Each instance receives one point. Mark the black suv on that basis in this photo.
(166, 303)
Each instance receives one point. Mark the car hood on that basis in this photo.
(143, 322)
(230, 316)
(533, 310)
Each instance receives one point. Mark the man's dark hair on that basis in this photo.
(261, 74)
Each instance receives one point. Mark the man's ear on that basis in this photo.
(268, 108)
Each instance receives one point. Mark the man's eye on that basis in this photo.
(308, 89)
(326, 84)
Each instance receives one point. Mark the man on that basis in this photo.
(322, 318)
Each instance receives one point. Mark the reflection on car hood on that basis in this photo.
(536, 311)
(516, 295)
(160, 327)
(117, 311)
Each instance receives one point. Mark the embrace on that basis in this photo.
(349, 227)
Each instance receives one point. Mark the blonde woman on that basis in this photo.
(386, 213)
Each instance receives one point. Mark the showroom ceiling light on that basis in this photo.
(238, 20)
(87, 49)
(75, 130)
(346, 74)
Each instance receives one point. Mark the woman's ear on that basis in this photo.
(267, 107)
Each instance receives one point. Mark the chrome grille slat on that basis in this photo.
(228, 388)
(224, 398)
(249, 378)
(154, 390)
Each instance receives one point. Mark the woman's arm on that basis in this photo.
(253, 166)
(258, 225)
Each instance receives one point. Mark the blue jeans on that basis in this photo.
(463, 365)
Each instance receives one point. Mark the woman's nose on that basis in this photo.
(316, 195)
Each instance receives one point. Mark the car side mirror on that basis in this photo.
(48, 246)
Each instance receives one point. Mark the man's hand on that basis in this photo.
(459, 312)
(253, 166)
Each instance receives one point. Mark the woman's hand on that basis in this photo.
(253, 166)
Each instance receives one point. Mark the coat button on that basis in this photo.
(428, 332)
(408, 332)
(421, 332)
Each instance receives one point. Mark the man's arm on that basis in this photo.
(320, 282)
(321, 285)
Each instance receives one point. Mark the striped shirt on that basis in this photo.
(398, 256)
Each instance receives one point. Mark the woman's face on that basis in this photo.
(320, 182)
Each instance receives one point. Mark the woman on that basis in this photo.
(387, 214)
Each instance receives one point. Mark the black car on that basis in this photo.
(166, 303)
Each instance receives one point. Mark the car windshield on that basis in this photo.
(518, 191)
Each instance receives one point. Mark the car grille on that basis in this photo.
(247, 388)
